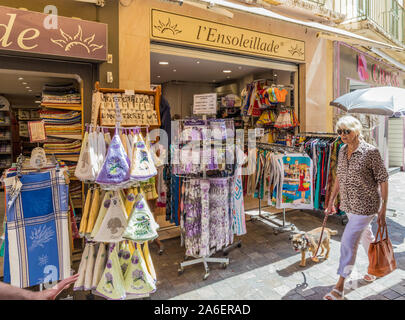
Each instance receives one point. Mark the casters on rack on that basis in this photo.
(239, 245)
(226, 253)
(225, 265)
(180, 270)
(206, 275)
(292, 228)
(275, 232)
(345, 221)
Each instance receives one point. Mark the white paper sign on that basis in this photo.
(259, 132)
(205, 103)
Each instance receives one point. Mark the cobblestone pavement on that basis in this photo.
(266, 266)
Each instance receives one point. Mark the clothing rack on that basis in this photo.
(205, 260)
(284, 227)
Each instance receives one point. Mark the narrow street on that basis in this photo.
(266, 266)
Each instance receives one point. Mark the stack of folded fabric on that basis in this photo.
(62, 123)
(63, 149)
(65, 93)
(75, 191)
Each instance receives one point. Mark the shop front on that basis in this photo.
(355, 69)
(49, 64)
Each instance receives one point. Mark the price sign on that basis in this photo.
(205, 103)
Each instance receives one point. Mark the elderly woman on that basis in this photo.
(360, 175)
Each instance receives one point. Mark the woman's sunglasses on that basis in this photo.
(345, 131)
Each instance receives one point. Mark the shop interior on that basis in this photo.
(182, 73)
(28, 96)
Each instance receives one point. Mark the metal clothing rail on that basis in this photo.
(284, 227)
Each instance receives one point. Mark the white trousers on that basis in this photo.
(357, 230)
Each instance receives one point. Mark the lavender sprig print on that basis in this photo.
(40, 236)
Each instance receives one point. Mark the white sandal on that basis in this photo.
(373, 278)
(333, 297)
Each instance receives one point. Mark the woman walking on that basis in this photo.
(360, 175)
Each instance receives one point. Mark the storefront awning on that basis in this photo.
(326, 32)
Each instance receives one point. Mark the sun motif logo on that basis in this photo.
(163, 27)
(68, 41)
(296, 50)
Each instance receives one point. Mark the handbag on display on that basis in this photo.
(381, 254)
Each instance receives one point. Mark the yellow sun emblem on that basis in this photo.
(69, 41)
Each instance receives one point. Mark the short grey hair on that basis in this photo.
(351, 123)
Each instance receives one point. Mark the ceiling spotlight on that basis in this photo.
(228, 77)
(174, 70)
(20, 78)
(158, 76)
(37, 101)
(28, 87)
(240, 68)
(163, 62)
(198, 62)
(30, 90)
(275, 75)
(227, 71)
(24, 83)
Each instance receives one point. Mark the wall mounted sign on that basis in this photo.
(37, 131)
(376, 73)
(205, 103)
(192, 31)
(24, 31)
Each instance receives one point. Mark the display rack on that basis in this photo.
(129, 123)
(284, 227)
(206, 259)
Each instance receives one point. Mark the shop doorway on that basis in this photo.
(183, 72)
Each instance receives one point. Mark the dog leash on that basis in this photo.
(320, 239)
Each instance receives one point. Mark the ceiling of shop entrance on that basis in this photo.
(18, 85)
(180, 68)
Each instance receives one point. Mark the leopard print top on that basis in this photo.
(359, 178)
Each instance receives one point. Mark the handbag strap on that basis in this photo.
(381, 231)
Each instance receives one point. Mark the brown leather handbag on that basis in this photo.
(381, 255)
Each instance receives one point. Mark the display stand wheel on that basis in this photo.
(225, 265)
(225, 253)
(185, 258)
(239, 245)
(180, 270)
(275, 232)
(292, 228)
(206, 275)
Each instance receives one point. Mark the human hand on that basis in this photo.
(381, 219)
(52, 293)
(331, 209)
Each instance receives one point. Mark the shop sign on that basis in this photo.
(24, 31)
(205, 103)
(376, 74)
(192, 31)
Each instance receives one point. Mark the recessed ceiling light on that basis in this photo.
(227, 71)
(198, 62)
(37, 101)
(24, 83)
(240, 68)
(28, 87)
(163, 62)
(158, 76)
(174, 70)
(30, 90)
(214, 80)
(20, 78)
(228, 77)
